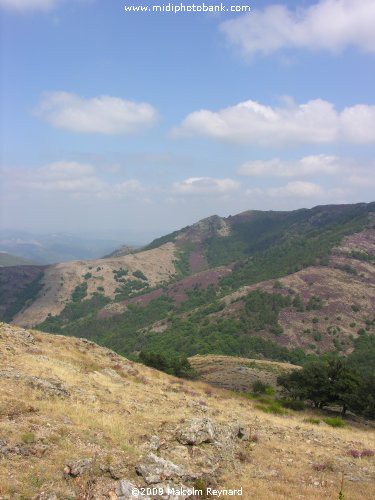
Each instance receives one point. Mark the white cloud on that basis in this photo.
(66, 169)
(305, 167)
(131, 186)
(100, 115)
(205, 185)
(330, 25)
(71, 178)
(297, 189)
(364, 180)
(314, 122)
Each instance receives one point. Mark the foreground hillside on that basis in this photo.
(78, 421)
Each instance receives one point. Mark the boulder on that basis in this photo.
(155, 469)
(196, 431)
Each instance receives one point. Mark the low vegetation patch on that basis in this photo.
(334, 421)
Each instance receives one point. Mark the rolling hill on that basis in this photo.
(275, 285)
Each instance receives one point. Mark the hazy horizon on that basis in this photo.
(131, 125)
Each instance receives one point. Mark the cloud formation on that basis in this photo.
(314, 122)
(99, 115)
(72, 178)
(305, 167)
(330, 25)
(299, 189)
(205, 185)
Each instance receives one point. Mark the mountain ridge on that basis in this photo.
(291, 261)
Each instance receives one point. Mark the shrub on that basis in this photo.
(359, 454)
(140, 275)
(171, 364)
(259, 387)
(367, 453)
(317, 336)
(315, 421)
(293, 404)
(314, 303)
(28, 438)
(334, 421)
(356, 308)
(273, 407)
(79, 292)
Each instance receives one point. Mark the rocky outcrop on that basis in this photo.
(196, 431)
(154, 470)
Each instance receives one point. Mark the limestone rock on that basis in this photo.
(155, 469)
(196, 431)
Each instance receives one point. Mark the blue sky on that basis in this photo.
(130, 125)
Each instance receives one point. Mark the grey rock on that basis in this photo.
(241, 432)
(76, 468)
(49, 386)
(4, 448)
(196, 431)
(128, 491)
(155, 469)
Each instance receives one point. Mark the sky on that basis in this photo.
(130, 124)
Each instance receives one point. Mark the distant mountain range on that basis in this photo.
(52, 248)
(276, 285)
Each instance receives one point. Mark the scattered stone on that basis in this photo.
(155, 469)
(4, 448)
(196, 431)
(76, 468)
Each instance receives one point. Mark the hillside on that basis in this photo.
(79, 421)
(7, 260)
(303, 286)
(100, 279)
(238, 374)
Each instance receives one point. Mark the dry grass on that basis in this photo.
(111, 414)
(60, 280)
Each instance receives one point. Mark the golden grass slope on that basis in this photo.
(238, 374)
(113, 407)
